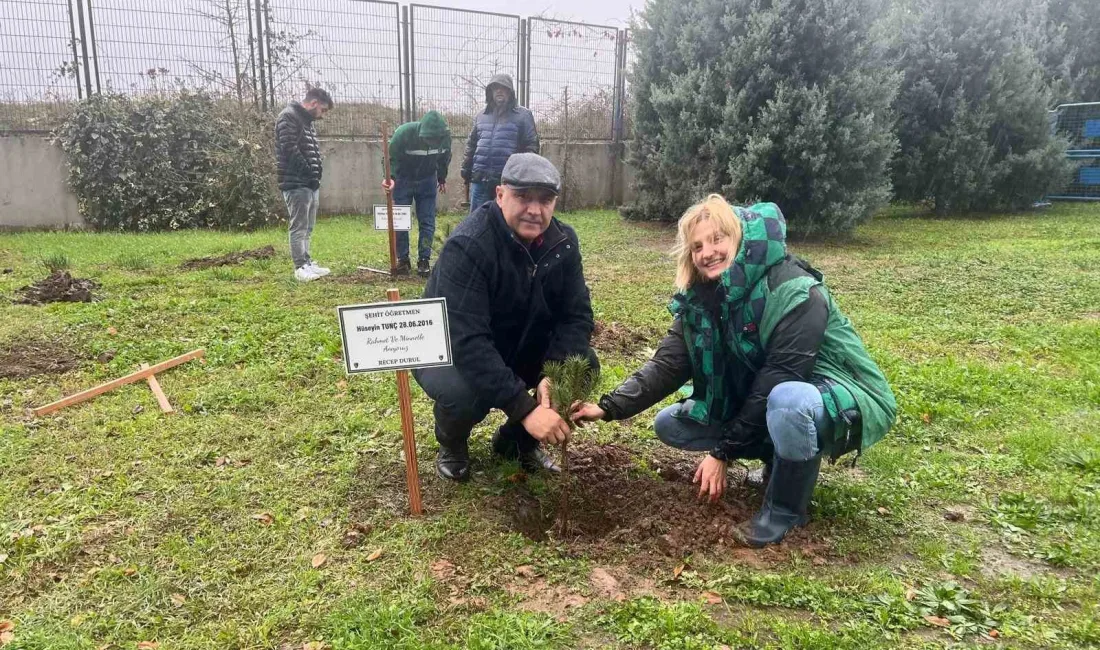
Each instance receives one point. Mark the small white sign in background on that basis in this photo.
(395, 335)
(402, 217)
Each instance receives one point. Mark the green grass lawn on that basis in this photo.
(201, 529)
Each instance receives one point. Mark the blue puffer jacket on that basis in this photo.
(495, 136)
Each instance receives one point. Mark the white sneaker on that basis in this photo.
(319, 270)
(305, 274)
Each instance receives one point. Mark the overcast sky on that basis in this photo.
(605, 12)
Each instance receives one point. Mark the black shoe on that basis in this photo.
(423, 268)
(786, 502)
(403, 267)
(531, 460)
(453, 462)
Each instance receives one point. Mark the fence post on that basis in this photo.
(412, 63)
(527, 64)
(260, 41)
(84, 45)
(406, 55)
(521, 76)
(76, 58)
(617, 101)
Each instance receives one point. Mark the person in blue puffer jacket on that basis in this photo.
(502, 129)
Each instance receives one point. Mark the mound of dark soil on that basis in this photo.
(621, 339)
(612, 501)
(228, 259)
(59, 286)
(27, 359)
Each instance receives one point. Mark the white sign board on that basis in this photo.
(402, 217)
(395, 335)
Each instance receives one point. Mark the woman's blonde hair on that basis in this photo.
(713, 207)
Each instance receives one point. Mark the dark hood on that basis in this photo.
(504, 81)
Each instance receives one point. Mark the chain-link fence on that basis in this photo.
(39, 69)
(382, 63)
(1080, 124)
(454, 54)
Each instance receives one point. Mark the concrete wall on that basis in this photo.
(33, 191)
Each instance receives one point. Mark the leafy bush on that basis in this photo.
(168, 163)
(972, 110)
(785, 101)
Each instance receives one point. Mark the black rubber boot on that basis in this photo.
(513, 444)
(403, 267)
(786, 502)
(452, 462)
(423, 268)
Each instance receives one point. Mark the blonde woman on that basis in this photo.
(778, 372)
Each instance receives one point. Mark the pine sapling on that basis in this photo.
(571, 381)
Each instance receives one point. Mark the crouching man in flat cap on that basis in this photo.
(516, 298)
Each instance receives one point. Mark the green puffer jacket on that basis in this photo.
(412, 158)
(761, 287)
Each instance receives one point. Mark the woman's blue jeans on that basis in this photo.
(797, 424)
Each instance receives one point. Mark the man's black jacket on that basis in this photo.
(297, 154)
(510, 306)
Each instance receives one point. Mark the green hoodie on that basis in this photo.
(749, 314)
(412, 158)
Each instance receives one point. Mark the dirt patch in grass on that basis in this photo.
(229, 258)
(59, 286)
(997, 562)
(31, 358)
(616, 338)
(613, 503)
(619, 501)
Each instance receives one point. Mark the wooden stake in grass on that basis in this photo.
(144, 373)
(571, 380)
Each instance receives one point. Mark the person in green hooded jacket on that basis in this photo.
(420, 153)
(778, 372)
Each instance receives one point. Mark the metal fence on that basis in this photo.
(1080, 123)
(573, 71)
(454, 54)
(383, 63)
(350, 48)
(39, 63)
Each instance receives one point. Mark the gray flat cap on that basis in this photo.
(525, 170)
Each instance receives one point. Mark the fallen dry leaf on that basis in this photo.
(884, 511)
(994, 634)
(677, 571)
(6, 626)
(712, 598)
(910, 594)
(606, 584)
(938, 621)
(926, 418)
(148, 645)
(375, 554)
(3, 558)
(129, 572)
(314, 645)
(178, 599)
(443, 569)
(265, 518)
(112, 331)
(6, 637)
(318, 561)
(220, 460)
(525, 571)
